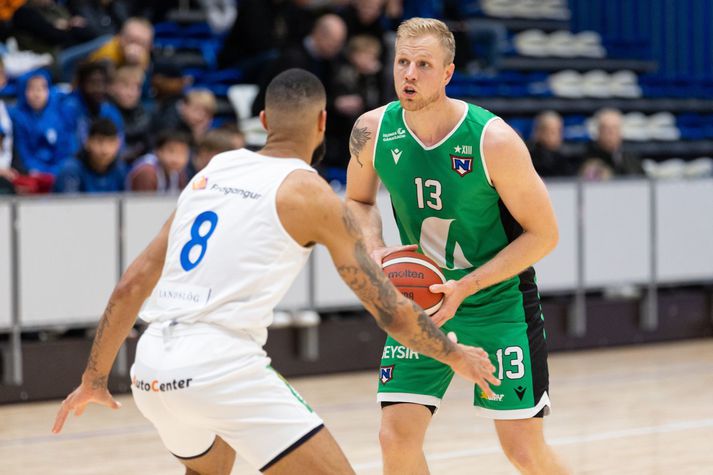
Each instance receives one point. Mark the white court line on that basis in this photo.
(571, 440)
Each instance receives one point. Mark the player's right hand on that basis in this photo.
(78, 400)
(380, 253)
(475, 366)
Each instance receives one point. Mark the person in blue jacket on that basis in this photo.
(41, 139)
(88, 102)
(97, 168)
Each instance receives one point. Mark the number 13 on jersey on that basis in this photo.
(198, 240)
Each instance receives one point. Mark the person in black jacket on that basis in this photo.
(546, 147)
(125, 93)
(605, 156)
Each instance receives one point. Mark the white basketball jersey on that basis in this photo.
(229, 259)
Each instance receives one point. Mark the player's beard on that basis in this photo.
(318, 154)
(419, 103)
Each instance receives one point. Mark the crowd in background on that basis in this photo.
(105, 114)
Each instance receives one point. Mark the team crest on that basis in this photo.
(201, 183)
(461, 165)
(386, 374)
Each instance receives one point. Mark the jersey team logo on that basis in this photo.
(461, 165)
(386, 374)
(201, 183)
(396, 154)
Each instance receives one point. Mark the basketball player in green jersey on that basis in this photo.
(465, 193)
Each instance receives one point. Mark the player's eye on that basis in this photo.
(402, 62)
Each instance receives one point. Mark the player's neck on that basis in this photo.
(285, 148)
(434, 121)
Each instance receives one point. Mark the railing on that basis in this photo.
(63, 255)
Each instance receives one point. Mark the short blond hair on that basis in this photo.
(202, 97)
(417, 27)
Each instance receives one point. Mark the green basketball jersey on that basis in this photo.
(444, 201)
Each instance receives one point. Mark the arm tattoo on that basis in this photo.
(93, 355)
(357, 140)
(368, 281)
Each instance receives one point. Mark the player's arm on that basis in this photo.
(135, 286)
(363, 183)
(331, 223)
(525, 196)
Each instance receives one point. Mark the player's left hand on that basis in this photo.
(455, 293)
(77, 401)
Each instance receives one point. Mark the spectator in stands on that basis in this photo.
(97, 168)
(41, 137)
(89, 102)
(45, 26)
(193, 114)
(167, 85)
(215, 141)
(164, 170)
(357, 89)
(131, 46)
(6, 127)
(125, 93)
(262, 28)
(605, 155)
(365, 17)
(317, 54)
(546, 147)
(237, 137)
(103, 17)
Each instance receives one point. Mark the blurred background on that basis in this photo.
(109, 107)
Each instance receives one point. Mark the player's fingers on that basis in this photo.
(486, 388)
(490, 377)
(79, 410)
(405, 247)
(453, 337)
(60, 419)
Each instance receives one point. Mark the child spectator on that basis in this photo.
(41, 138)
(164, 169)
(357, 89)
(215, 141)
(97, 168)
(193, 114)
(89, 102)
(125, 93)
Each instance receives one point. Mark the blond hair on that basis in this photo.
(417, 27)
(128, 73)
(202, 97)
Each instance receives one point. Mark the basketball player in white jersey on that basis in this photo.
(242, 230)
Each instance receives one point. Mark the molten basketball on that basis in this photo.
(413, 273)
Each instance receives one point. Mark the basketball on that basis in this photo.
(413, 273)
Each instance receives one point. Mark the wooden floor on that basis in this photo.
(641, 410)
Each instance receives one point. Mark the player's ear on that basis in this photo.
(263, 120)
(449, 72)
(322, 120)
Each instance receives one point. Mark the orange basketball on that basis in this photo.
(413, 273)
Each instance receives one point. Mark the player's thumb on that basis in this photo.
(438, 288)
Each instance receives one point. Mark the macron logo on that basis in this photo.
(396, 153)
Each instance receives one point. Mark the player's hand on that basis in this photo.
(380, 253)
(475, 366)
(77, 401)
(455, 293)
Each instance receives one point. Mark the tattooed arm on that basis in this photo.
(135, 286)
(331, 223)
(362, 181)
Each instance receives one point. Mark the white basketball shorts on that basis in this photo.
(196, 381)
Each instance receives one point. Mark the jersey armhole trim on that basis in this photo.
(276, 214)
(482, 155)
(376, 137)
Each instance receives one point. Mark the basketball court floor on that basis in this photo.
(638, 410)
